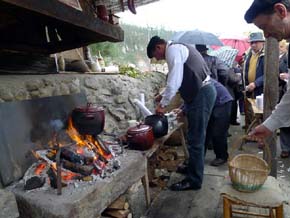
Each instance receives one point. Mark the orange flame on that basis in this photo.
(81, 141)
(73, 133)
(99, 148)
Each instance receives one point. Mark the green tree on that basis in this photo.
(133, 48)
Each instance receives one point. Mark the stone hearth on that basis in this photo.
(87, 199)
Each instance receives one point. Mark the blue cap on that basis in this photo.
(256, 37)
(257, 7)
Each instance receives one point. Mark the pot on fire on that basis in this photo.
(89, 120)
(140, 137)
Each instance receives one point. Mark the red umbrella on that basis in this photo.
(241, 44)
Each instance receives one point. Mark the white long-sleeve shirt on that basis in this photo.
(280, 117)
(175, 55)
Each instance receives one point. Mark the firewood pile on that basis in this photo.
(162, 164)
(120, 208)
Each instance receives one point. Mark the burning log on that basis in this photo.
(74, 157)
(78, 168)
(102, 145)
(98, 154)
(71, 156)
(53, 178)
(34, 182)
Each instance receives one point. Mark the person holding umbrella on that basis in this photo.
(273, 17)
(188, 74)
(218, 69)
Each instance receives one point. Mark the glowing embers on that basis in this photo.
(85, 158)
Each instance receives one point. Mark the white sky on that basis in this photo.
(222, 17)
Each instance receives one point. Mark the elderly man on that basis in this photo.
(273, 17)
(254, 66)
(188, 74)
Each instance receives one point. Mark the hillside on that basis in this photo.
(133, 48)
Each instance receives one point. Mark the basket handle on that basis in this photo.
(238, 144)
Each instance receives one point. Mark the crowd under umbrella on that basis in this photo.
(196, 37)
(226, 53)
(240, 43)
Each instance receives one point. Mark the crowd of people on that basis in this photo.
(211, 91)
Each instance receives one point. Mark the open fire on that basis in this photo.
(86, 158)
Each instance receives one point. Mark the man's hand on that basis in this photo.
(260, 131)
(284, 76)
(159, 109)
(158, 98)
(178, 112)
(251, 87)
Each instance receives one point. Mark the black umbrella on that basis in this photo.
(196, 37)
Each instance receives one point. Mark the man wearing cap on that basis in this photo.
(218, 69)
(273, 17)
(188, 74)
(254, 66)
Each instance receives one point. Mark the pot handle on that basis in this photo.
(88, 106)
(160, 114)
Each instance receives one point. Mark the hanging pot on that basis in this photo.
(159, 124)
(140, 137)
(102, 12)
(89, 120)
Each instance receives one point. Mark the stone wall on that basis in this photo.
(114, 92)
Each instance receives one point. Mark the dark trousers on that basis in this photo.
(198, 114)
(285, 138)
(217, 129)
(237, 95)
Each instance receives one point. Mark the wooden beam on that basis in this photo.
(68, 28)
(64, 13)
(271, 73)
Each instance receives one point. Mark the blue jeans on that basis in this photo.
(198, 114)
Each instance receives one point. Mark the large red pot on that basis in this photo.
(89, 120)
(140, 137)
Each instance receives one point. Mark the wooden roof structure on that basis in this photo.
(50, 26)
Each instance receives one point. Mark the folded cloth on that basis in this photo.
(270, 194)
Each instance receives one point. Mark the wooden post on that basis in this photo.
(279, 211)
(226, 207)
(271, 72)
(145, 183)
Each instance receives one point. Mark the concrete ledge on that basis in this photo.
(88, 199)
(8, 205)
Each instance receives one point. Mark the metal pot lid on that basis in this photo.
(90, 108)
(139, 128)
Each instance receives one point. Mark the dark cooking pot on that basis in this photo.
(159, 124)
(89, 120)
(140, 137)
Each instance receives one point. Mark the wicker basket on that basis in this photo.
(248, 172)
